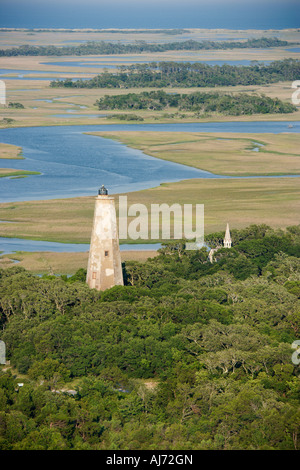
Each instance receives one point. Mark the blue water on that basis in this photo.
(23, 72)
(127, 61)
(52, 100)
(23, 75)
(293, 49)
(11, 245)
(246, 14)
(38, 78)
(71, 115)
(179, 37)
(75, 164)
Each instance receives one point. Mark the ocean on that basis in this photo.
(101, 14)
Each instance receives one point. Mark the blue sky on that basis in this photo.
(235, 14)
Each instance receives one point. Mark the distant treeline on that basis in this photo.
(185, 74)
(198, 102)
(107, 31)
(102, 47)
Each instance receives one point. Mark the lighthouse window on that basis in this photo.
(94, 275)
(106, 253)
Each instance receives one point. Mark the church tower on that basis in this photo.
(104, 264)
(227, 239)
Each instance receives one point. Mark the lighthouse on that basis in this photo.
(104, 264)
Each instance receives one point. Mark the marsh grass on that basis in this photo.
(62, 263)
(219, 153)
(273, 201)
(12, 173)
(240, 202)
(10, 152)
(40, 113)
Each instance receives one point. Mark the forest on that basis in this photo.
(138, 47)
(186, 355)
(228, 104)
(186, 75)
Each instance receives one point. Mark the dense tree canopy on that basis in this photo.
(223, 103)
(187, 75)
(213, 339)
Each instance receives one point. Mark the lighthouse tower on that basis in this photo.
(104, 264)
(227, 239)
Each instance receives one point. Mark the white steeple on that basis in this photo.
(227, 238)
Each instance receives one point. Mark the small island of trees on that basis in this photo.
(187, 75)
(198, 102)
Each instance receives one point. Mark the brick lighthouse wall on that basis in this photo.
(104, 265)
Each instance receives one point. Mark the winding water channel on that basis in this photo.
(12, 245)
(73, 163)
